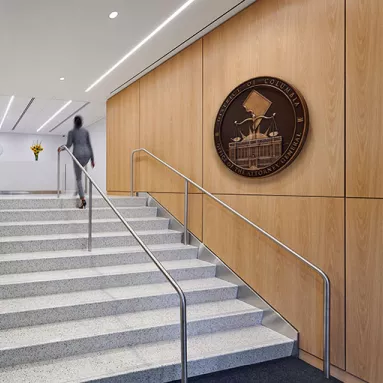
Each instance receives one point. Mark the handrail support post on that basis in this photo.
(184, 347)
(86, 180)
(132, 174)
(186, 213)
(90, 216)
(58, 174)
(326, 328)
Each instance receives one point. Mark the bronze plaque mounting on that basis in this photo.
(261, 127)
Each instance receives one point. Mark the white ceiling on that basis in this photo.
(43, 40)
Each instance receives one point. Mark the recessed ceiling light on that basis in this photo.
(62, 78)
(57, 113)
(6, 111)
(113, 15)
(140, 44)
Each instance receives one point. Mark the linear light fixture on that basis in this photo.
(7, 110)
(140, 44)
(70, 116)
(23, 113)
(56, 114)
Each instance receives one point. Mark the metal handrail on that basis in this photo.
(183, 319)
(326, 280)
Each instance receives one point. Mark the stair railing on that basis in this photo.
(171, 280)
(326, 280)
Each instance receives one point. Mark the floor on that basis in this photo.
(290, 370)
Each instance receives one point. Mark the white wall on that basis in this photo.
(98, 139)
(16, 147)
(18, 168)
(20, 172)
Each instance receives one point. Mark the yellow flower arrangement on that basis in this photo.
(36, 149)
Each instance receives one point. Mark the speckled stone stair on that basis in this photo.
(22, 215)
(158, 362)
(43, 309)
(53, 282)
(79, 226)
(77, 259)
(64, 202)
(70, 315)
(58, 340)
(24, 244)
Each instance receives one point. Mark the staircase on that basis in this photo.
(69, 315)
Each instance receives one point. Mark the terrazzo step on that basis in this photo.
(23, 215)
(75, 259)
(43, 309)
(63, 281)
(52, 202)
(159, 362)
(8, 229)
(58, 340)
(80, 241)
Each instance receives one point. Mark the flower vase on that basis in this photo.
(36, 157)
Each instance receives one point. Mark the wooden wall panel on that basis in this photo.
(171, 121)
(364, 98)
(174, 203)
(365, 289)
(122, 128)
(300, 41)
(311, 226)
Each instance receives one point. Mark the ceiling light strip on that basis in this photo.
(56, 114)
(75, 112)
(140, 44)
(24, 111)
(137, 75)
(6, 111)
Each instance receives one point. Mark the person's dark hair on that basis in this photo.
(77, 122)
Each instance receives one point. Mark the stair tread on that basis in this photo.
(54, 197)
(86, 253)
(56, 275)
(41, 302)
(87, 328)
(84, 235)
(75, 209)
(143, 357)
(85, 221)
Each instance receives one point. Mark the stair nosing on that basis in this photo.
(106, 208)
(61, 254)
(50, 237)
(75, 221)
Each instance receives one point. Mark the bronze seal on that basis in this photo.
(261, 127)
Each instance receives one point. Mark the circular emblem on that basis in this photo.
(261, 127)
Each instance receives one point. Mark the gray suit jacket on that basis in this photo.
(82, 148)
